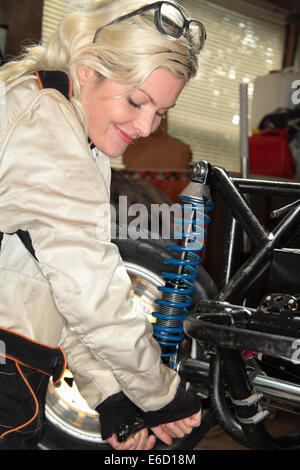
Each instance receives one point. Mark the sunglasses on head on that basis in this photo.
(170, 21)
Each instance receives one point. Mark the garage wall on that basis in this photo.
(24, 21)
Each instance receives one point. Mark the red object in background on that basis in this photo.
(172, 187)
(269, 154)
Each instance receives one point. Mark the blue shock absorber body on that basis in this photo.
(176, 298)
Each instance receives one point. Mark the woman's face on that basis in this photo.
(114, 123)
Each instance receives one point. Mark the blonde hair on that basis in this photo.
(125, 52)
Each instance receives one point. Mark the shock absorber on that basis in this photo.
(176, 298)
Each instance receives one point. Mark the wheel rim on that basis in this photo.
(65, 407)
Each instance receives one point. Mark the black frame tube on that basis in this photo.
(231, 249)
(280, 188)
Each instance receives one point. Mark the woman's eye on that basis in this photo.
(138, 106)
(132, 103)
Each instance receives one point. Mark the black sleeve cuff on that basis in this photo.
(184, 404)
(119, 415)
(115, 412)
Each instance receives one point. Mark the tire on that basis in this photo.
(152, 254)
(70, 424)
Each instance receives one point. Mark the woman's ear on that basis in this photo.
(84, 73)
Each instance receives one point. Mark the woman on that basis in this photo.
(102, 81)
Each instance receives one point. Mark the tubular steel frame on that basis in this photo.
(231, 327)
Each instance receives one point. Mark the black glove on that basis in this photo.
(120, 416)
(184, 404)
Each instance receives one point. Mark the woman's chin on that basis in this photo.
(116, 153)
(113, 151)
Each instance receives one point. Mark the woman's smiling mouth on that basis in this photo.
(123, 136)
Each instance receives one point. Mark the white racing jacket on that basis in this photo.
(75, 292)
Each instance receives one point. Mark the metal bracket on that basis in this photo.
(200, 172)
(259, 416)
(251, 400)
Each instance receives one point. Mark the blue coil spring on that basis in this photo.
(176, 297)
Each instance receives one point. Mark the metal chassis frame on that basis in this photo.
(246, 328)
(213, 321)
(236, 284)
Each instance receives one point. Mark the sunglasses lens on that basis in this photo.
(197, 34)
(172, 20)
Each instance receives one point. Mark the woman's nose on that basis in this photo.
(146, 124)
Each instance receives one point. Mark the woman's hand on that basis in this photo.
(165, 432)
(139, 441)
